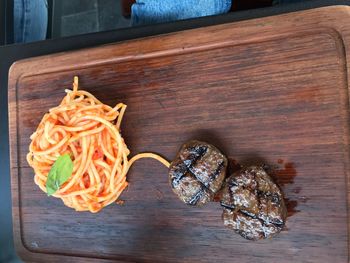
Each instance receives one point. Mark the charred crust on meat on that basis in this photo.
(253, 204)
(196, 197)
(197, 172)
(218, 171)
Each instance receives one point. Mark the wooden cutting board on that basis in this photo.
(271, 90)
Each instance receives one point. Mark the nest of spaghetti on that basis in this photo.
(89, 131)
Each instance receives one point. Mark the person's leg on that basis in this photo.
(30, 20)
(145, 12)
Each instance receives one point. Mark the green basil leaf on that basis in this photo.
(59, 173)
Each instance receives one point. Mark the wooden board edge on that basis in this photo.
(137, 49)
(340, 22)
(12, 119)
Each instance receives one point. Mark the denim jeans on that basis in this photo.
(30, 20)
(157, 11)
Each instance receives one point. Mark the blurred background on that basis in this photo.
(62, 18)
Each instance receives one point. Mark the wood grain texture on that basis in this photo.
(272, 89)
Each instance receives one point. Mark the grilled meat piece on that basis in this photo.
(253, 204)
(197, 172)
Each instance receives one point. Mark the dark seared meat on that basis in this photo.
(197, 172)
(253, 204)
(186, 185)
